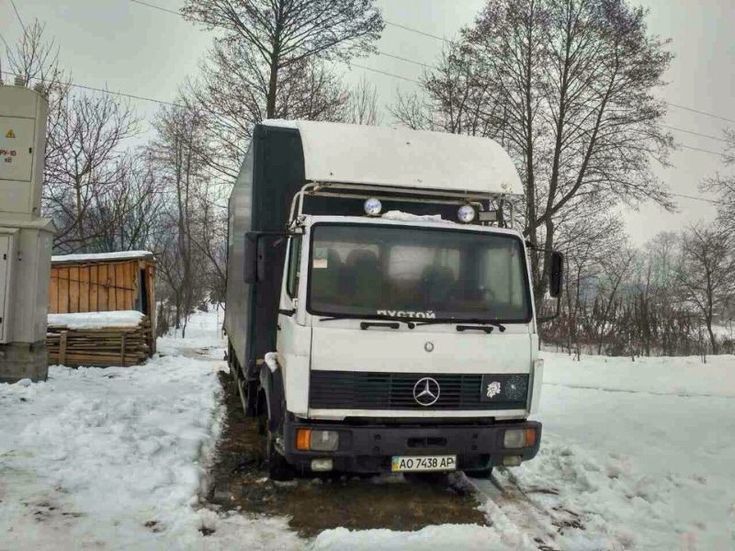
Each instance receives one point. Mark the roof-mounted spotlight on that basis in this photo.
(373, 206)
(466, 214)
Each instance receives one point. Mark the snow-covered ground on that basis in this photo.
(635, 455)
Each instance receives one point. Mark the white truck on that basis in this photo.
(379, 305)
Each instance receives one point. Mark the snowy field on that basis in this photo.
(635, 455)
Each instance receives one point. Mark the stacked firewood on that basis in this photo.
(101, 347)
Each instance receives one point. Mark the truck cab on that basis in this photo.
(384, 322)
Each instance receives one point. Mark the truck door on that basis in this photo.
(293, 339)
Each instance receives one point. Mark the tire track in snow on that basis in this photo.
(513, 511)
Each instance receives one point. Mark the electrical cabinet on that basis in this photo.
(23, 115)
(25, 237)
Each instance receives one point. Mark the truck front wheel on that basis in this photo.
(278, 468)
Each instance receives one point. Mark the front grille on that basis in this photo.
(375, 390)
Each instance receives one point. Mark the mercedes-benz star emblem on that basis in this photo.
(426, 391)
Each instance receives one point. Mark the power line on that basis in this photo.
(407, 60)
(386, 73)
(106, 91)
(694, 133)
(700, 112)
(719, 154)
(714, 202)
(416, 31)
(156, 7)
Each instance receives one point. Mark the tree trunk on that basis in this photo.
(270, 108)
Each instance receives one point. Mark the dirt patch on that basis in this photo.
(239, 481)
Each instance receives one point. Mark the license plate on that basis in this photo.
(419, 463)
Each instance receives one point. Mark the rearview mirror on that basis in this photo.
(255, 255)
(556, 274)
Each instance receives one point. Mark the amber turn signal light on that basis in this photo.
(303, 439)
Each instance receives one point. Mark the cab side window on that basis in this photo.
(294, 265)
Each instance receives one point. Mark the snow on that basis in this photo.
(114, 458)
(645, 447)
(100, 257)
(400, 157)
(271, 360)
(408, 217)
(634, 455)
(681, 376)
(459, 536)
(97, 320)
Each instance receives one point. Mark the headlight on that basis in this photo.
(466, 213)
(519, 438)
(324, 440)
(317, 440)
(373, 206)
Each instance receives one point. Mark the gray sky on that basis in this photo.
(134, 49)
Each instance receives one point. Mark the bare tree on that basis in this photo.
(588, 238)
(281, 33)
(128, 215)
(231, 92)
(34, 59)
(83, 162)
(459, 98)
(706, 274)
(568, 88)
(724, 186)
(362, 107)
(176, 155)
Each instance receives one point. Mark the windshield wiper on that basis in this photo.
(410, 324)
(486, 328)
(479, 325)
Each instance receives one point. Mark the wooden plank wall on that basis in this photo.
(94, 287)
(150, 273)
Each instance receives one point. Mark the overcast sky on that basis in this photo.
(138, 50)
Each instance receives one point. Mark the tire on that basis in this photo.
(262, 414)
(480, 473)
(278, 468)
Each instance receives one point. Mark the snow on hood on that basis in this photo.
(401, 216)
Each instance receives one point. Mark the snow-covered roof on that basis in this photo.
(100, 257)
(350, 153)
(96, 320)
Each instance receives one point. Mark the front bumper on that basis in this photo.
(369, 448)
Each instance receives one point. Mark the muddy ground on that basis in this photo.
(239, 481)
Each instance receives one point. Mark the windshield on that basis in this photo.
(423, 273)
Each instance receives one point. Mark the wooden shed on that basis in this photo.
(105, 282)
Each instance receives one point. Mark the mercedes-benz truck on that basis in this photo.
(379, 302)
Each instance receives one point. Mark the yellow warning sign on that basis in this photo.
(10, 134)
